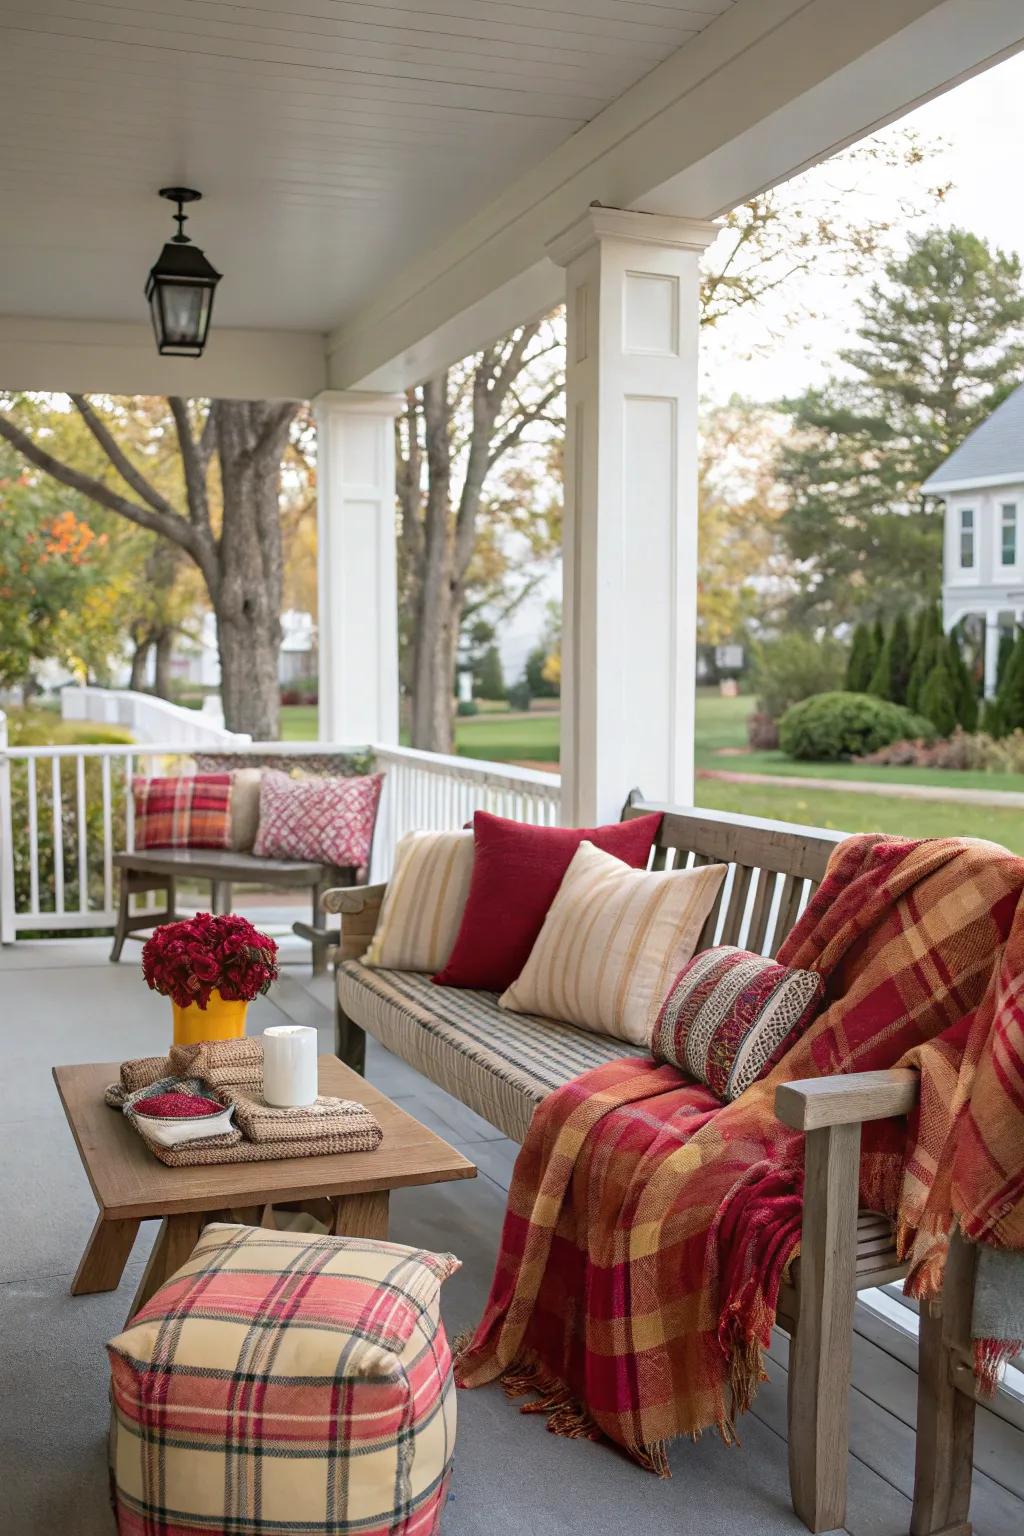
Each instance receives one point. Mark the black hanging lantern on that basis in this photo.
(180, 288)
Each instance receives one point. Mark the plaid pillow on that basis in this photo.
(731, 1016)
(192, 811)
(327, 819)
(280, 1382)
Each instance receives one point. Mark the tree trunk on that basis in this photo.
(163, 649)
(251, 437)
(140, 656)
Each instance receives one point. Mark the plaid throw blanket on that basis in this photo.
(649, 1227)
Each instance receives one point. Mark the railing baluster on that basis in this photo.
(58, 836)
(33, 837)
(83, 839)
(108, 837)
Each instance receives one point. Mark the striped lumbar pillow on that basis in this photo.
(612, 941)
(424, 903)
(731, 1015)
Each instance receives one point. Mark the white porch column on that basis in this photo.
(630, 541)
(991, 653)
(358, 596)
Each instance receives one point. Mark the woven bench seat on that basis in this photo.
(500, 1064)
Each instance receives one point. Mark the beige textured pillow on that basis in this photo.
(613, 941)
(245, 808)
(425, 899)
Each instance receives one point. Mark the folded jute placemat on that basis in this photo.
(262, 1131)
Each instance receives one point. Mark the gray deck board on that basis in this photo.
(62, 1001)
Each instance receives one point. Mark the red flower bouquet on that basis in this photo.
(190, 960)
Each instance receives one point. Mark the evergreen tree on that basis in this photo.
(1006, 644)
(1010, 698)
(941, 343)
(488, 678)
(938, 698)
(881, 678)
(899, 658)
(860, 665)
(964, 691)
(927, 631)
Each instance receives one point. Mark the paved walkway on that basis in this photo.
(1003, 799)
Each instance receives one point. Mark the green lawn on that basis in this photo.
(846, 811)
(721, 724)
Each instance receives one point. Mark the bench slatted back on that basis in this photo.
(774, 869)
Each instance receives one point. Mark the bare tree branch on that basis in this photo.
(195, 469)
(120, 460)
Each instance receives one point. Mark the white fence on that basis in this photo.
(149, 719)
(65, 812)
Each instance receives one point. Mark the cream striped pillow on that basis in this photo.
(612, 944)
(425, 898)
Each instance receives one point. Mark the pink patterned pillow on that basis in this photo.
(330, 820)
(732, 1015)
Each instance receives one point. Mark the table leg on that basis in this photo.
(106, 1254)
(177, 1237)
(361, 1215)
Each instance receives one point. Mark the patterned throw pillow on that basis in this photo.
(611, 940)
(280, 1382)
(330, 820)
(424, 903)
(731, 1016)
(192, 811)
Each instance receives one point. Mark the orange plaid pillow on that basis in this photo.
(192, 811)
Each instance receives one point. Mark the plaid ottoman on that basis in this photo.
(281, 1383)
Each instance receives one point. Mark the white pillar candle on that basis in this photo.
(289, 1066)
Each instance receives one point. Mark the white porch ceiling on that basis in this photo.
(330, 138)
(381, 177)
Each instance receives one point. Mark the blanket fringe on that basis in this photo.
(990, 1355)
(746, 1373)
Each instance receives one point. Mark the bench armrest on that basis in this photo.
(359, 908)
(814, 1103)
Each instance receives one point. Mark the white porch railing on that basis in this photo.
(150, 719)
(65, 812)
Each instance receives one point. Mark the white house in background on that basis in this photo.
(982, 485)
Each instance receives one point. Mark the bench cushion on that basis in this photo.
(500, 1064)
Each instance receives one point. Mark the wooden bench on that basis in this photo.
(159, 869)
(774, 869)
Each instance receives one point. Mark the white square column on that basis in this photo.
(630, 531)
(356, 567)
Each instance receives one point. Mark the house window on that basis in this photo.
(1008, 533)
(966, 538)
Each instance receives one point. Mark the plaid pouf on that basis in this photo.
(280, 1383)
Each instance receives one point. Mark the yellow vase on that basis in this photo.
(222, 1019)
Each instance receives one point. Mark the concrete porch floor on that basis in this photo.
(61, 1001)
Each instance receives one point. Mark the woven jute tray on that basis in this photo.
(262, 1131)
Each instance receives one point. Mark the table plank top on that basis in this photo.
(128, 1181)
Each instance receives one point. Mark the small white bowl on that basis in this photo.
(171, 1132)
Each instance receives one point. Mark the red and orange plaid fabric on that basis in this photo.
(282, 1383)
(648, 1226)
(192, 811)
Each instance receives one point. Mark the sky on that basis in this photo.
(978, 131)
(978, 128)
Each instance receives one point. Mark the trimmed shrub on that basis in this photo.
(467, 707)
(832, 726)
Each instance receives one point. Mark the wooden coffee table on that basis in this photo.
(132, 1186)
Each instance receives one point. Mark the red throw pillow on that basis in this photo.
(191, 811)
(517, 870)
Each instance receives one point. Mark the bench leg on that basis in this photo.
(123, 906)
(220, 897)
(822, 1346)
(319, 939)
(349, 1039)
(945, 1414)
